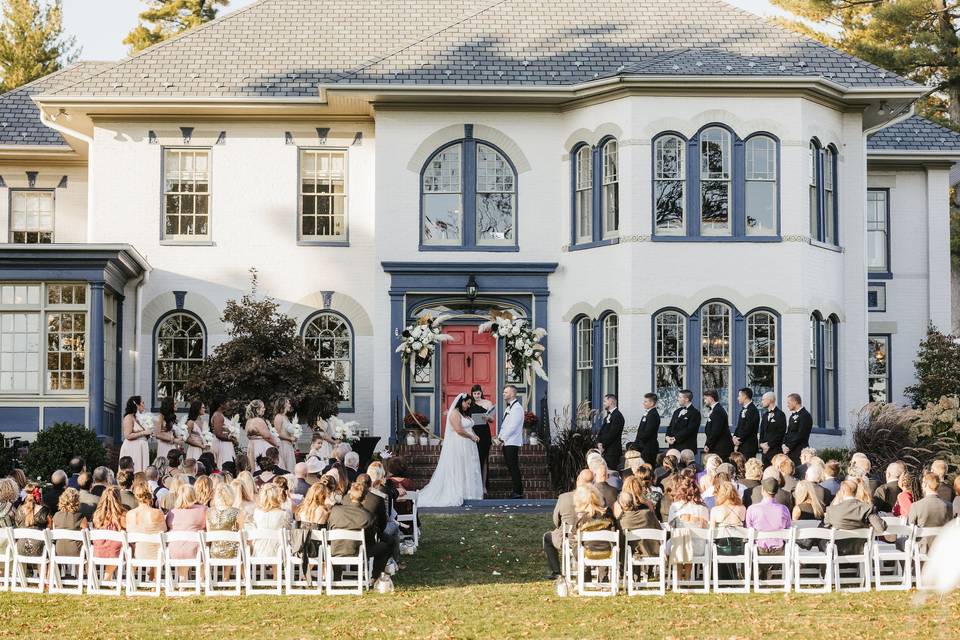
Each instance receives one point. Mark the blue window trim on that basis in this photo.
(819, 238)
(153, 364)
(596, 371)
(342, 407)
(738, 188)
(889, 339)
(596, 200)
(468, 195)
(693, 378)
(879, 308)
(821, 409)
(888, 274)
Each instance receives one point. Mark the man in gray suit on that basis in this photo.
(563, 514)
(931, 510)
(848, 514)
(351, 515)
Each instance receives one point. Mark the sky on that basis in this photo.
(100, 32)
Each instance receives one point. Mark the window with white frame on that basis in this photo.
(443, 198)
(610, 204)
(31, 216)
(715, 354)
(186, 194)
(179, 347)
(323, 195)
(761, 186)
(670, 361)
(330, 339)
(761, 352)
(584, 194)
(496, 198)
(584, 361)
(611, 354)
(715, 191)
(66, 318)
(878, 368)
(669, 185)
(20, 338)
(878, 231)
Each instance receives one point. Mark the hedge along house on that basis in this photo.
(682, 194)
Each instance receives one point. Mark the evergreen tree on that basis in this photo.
(937, 368)
(165, 18)
(917, 39)
(32, 43)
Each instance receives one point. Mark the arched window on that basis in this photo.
(715, 181)
(611, 188)
(611, 354)
(815, 345)
(830, 403)
(669, 185)
(179, 346)
(813, 178)
(583, 201)
(330, 339)
(469, 198)
(761, 352)
(761, 186)
(584, 361)
(670, 360)
(716, 362)
(829, 195)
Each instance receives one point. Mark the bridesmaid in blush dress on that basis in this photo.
(223, 442)
(282, 410)
(135, 435)
(195, 443)
(258, 433)
(163, 429)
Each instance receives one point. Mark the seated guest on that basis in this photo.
(600, 476)
(945, 490)
(186, 515)
(203, 487)
(806, 455)
(739, 461)
(209, 462)
(101, 478)
(886, 495)
(728, 510)
(31, 514)
(956, 491)
(931, 510)
(245, 495)
(301, 484)
(859, 462)
(77, 466)
(9, 495)
(686, 512)
(145, 518)
(786, 468)
(905, 498)
(125, 463)
(709, 492)
(563, 514)
(172, 483)
(314, 509)
(768, 515)
(711, 462)
(285, 502)
(269, 515)
(848, 513)
(223, 516)
(831, 473)
(806, 502)
(814, 475)
(671, 464)
(188, 470)
(52, 493)
(633, 510)
(592, 515)
(88, 501)
(648, 490)
(125, 482)
(174, 459)
(632, 461)
(729, 471)
(783, 497)
(351, 515)
(110, 516)
(752, 476)
(68, 518)
(269, 467)
(688, 458)
(351, 461)
(379, 501)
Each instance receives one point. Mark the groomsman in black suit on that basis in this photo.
(646, 441)
(717, 429)
(610, 435)
(748, 423)
(773, 426)
(684, 424)
(799, 427)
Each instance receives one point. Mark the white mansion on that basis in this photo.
(681, 193)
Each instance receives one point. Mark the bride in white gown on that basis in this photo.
(457, 476)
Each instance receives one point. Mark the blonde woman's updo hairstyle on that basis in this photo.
(186, 497)
(270, 498)
(254, 409)
(69, 501)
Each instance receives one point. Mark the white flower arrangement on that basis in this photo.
(419, 341)
(343, 431)
(296, 429)
(145, 420)
(522, 348)
(208, 439)
(180, 431)
(233, 426)
(274, 433)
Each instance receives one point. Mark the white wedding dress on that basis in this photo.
(457, 476)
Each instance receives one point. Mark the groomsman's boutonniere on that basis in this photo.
(683, 412)
(743, 412)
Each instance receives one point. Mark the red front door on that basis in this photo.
(469, 359)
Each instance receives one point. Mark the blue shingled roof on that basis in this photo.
(915, 134)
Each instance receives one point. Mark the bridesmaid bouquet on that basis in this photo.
(208, 439)
(233, 426)
(145, 420)
(180, 431)
(296, 429)
(274, 433)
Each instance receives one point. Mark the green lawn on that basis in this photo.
(480, 576)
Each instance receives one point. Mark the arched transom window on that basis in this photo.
(330, 339)
(179, 346)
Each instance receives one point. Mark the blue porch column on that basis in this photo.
(95, 353)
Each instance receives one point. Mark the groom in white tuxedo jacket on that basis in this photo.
(511, 434)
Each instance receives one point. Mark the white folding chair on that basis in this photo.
(6, 557)
(890, 520)
(601, 563)
(893, 561)
(343, 585)
(699, 580)
(191, 583)
(412, 497)
(309, 581)
(97, 582)
(566, 554)
(818, 576)
(922, 540)
(659, 562)
(263, 571)
(779, 562)
(736, 562)
(216, 582)
(23, 565)
(852, 571)
(144, 575)
(66, 571)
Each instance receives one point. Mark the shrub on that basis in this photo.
(882, 433)
(937, 368)
(567, 451)
(6, 458)
(840, 455)
(55, 446)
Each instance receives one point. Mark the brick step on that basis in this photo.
(497, 484)
(434, 456)
(528, 495)
(404, 449)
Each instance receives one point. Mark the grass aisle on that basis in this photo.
(480, 576)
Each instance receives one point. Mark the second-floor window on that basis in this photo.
(822, 174)
(596, 193)
(31, 216)
(878, 232)
(186, 194)
(323, 197)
